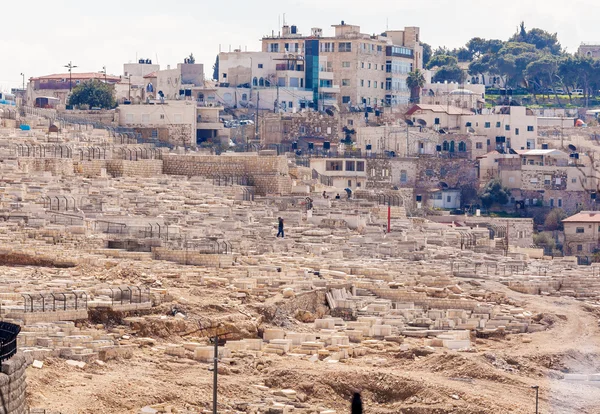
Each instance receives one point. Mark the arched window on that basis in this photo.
(462, 147)
(261, 82)
(445, 146)
(255, 81)
(451, 146)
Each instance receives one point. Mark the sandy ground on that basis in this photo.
(497, 378)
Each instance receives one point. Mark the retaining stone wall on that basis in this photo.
(269, 174)
(193, 258)
(13, 385)
(140, 168)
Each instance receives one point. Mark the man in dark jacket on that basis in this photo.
(280, 232)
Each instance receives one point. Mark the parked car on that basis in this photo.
(577, 92)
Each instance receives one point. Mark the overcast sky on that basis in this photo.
(41, 36)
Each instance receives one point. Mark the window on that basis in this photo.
(437, 121)
(260, 65)
(345, 82)
(368, 84)
(429, 172)
(516, 131)
(333, 166)
(362, 82)
(449, 199)
(551, 202)
(403, 176)
(479, 145)
(530, 128)
(345, 99)
(369, 66)
(350, 122)
(560, 202)
(462, 147)
(350, 166)
(487, 125)
(375, 85)
(419, 198)
(349, 183)
(162, 116)
(376, 66)
(468, 124)
(498, 125)
(547, 179)
(224, 76)
(345, 47)
(574, 180)
(328, 128)
(579, 230)
(579, 248)
(360, 166)
(244, 97)
(327, 47)
(274, 48)
(345, 64)
(507, 127)
(557, 180)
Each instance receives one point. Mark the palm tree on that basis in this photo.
(415, 81)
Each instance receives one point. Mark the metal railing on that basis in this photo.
(8, 340)
(54, 301)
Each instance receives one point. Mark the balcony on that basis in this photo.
(329, 89)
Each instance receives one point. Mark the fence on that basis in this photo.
(54, 301)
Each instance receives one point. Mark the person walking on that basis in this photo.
(357, 406)
(280, 232)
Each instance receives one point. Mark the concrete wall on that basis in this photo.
(57, 166)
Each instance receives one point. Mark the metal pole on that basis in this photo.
(537, 391)
(389, 214)
(216, 361)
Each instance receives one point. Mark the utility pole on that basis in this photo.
(256, 120)
(23, 75)
(215, 367)
(537, 394)
(70, 66)
(129, 77)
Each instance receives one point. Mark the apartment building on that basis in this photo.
(505, 126)
(368, 70)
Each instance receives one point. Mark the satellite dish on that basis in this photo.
(409, 122)
(572, 147)
(443, 185)
(329, 112)
(471, 130)
(442, 131)
(421, 122)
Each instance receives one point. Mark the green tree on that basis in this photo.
(442, 60)
(427, 52)
(541, 39)
(494, 193)
(216, 69)
(545, 240)
(554, 220)
(544, 72)
(415, 82)
(450, 73)
(94, 94)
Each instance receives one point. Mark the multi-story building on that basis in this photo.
(349, 70)
(505, 126)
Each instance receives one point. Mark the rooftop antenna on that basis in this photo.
(284, 19)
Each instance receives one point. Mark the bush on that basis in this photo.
(545, 240)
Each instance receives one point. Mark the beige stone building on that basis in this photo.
(591, 50)
(582, 234)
